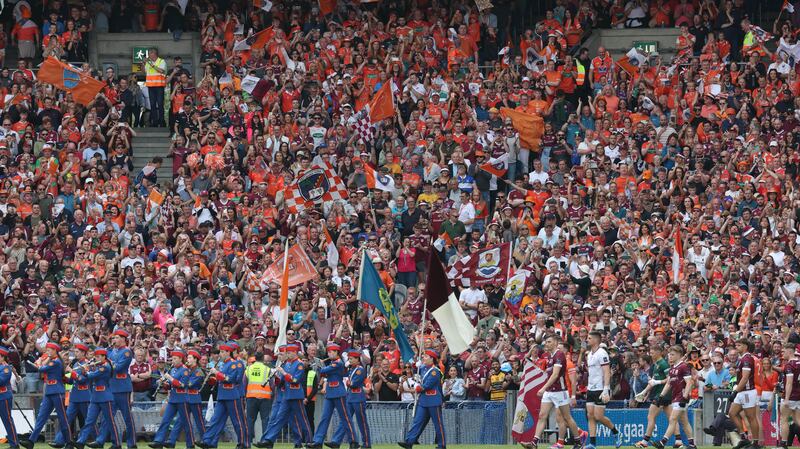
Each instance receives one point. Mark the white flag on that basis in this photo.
(636, 57)
(331, 252)
(241, 45)
(532, 57)
(249, 83)
(210, 408)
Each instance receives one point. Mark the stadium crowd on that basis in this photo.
(702, 150)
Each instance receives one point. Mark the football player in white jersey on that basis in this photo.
(598, 390)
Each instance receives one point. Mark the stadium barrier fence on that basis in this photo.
(467, 422)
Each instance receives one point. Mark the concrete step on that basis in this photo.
(149, 143)
(155, 147)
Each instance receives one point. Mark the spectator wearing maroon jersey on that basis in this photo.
(140, 371)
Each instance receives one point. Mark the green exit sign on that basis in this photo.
(140, 53)
(646, 46)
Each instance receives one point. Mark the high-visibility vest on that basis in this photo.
(749, 43)
(749, 39)
(581, 73)
(312, 376)
(67, 390)
(154, 78)
(257, 385)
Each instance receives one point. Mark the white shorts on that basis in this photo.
(677, 406)
(793, 405)
(747, 398)
(557, 398)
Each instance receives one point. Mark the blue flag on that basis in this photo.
(372, 291)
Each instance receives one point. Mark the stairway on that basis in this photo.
(149, 143)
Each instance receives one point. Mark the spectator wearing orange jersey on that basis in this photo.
(660, 14)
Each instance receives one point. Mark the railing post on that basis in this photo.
(511, 402)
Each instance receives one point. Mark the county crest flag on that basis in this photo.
(257, 40)
(497, 166)
(445, 308)
(377, 180)
(486, 266)
(515, 290)
(372, 291)
(526, 413)
(65, 77)
(316, 185)
(632, 60)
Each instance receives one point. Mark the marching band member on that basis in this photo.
(290, 372)
(430, 402)
(279, 406)
(79, 396)
(335, 392)
(101, 398)
(242, 416)
(120, 358)
(53, 369)
(178, 378)
(228, 378)
(356, 404)
(193, 387)
(7, 399)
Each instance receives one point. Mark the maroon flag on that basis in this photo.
(486, 266)
(443, 305)
(526, 413)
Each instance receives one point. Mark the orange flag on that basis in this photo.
(529, 126)
(327, 6)
(382, 104)
(625, 64)
(257, 40)
(301, 269)
(156, 197)
(63, 76)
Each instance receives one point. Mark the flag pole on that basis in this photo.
(421, 338)
(283, 318)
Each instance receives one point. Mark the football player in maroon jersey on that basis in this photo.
(676, 393)
(555, 394)
(745, 395)
(790, 407)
